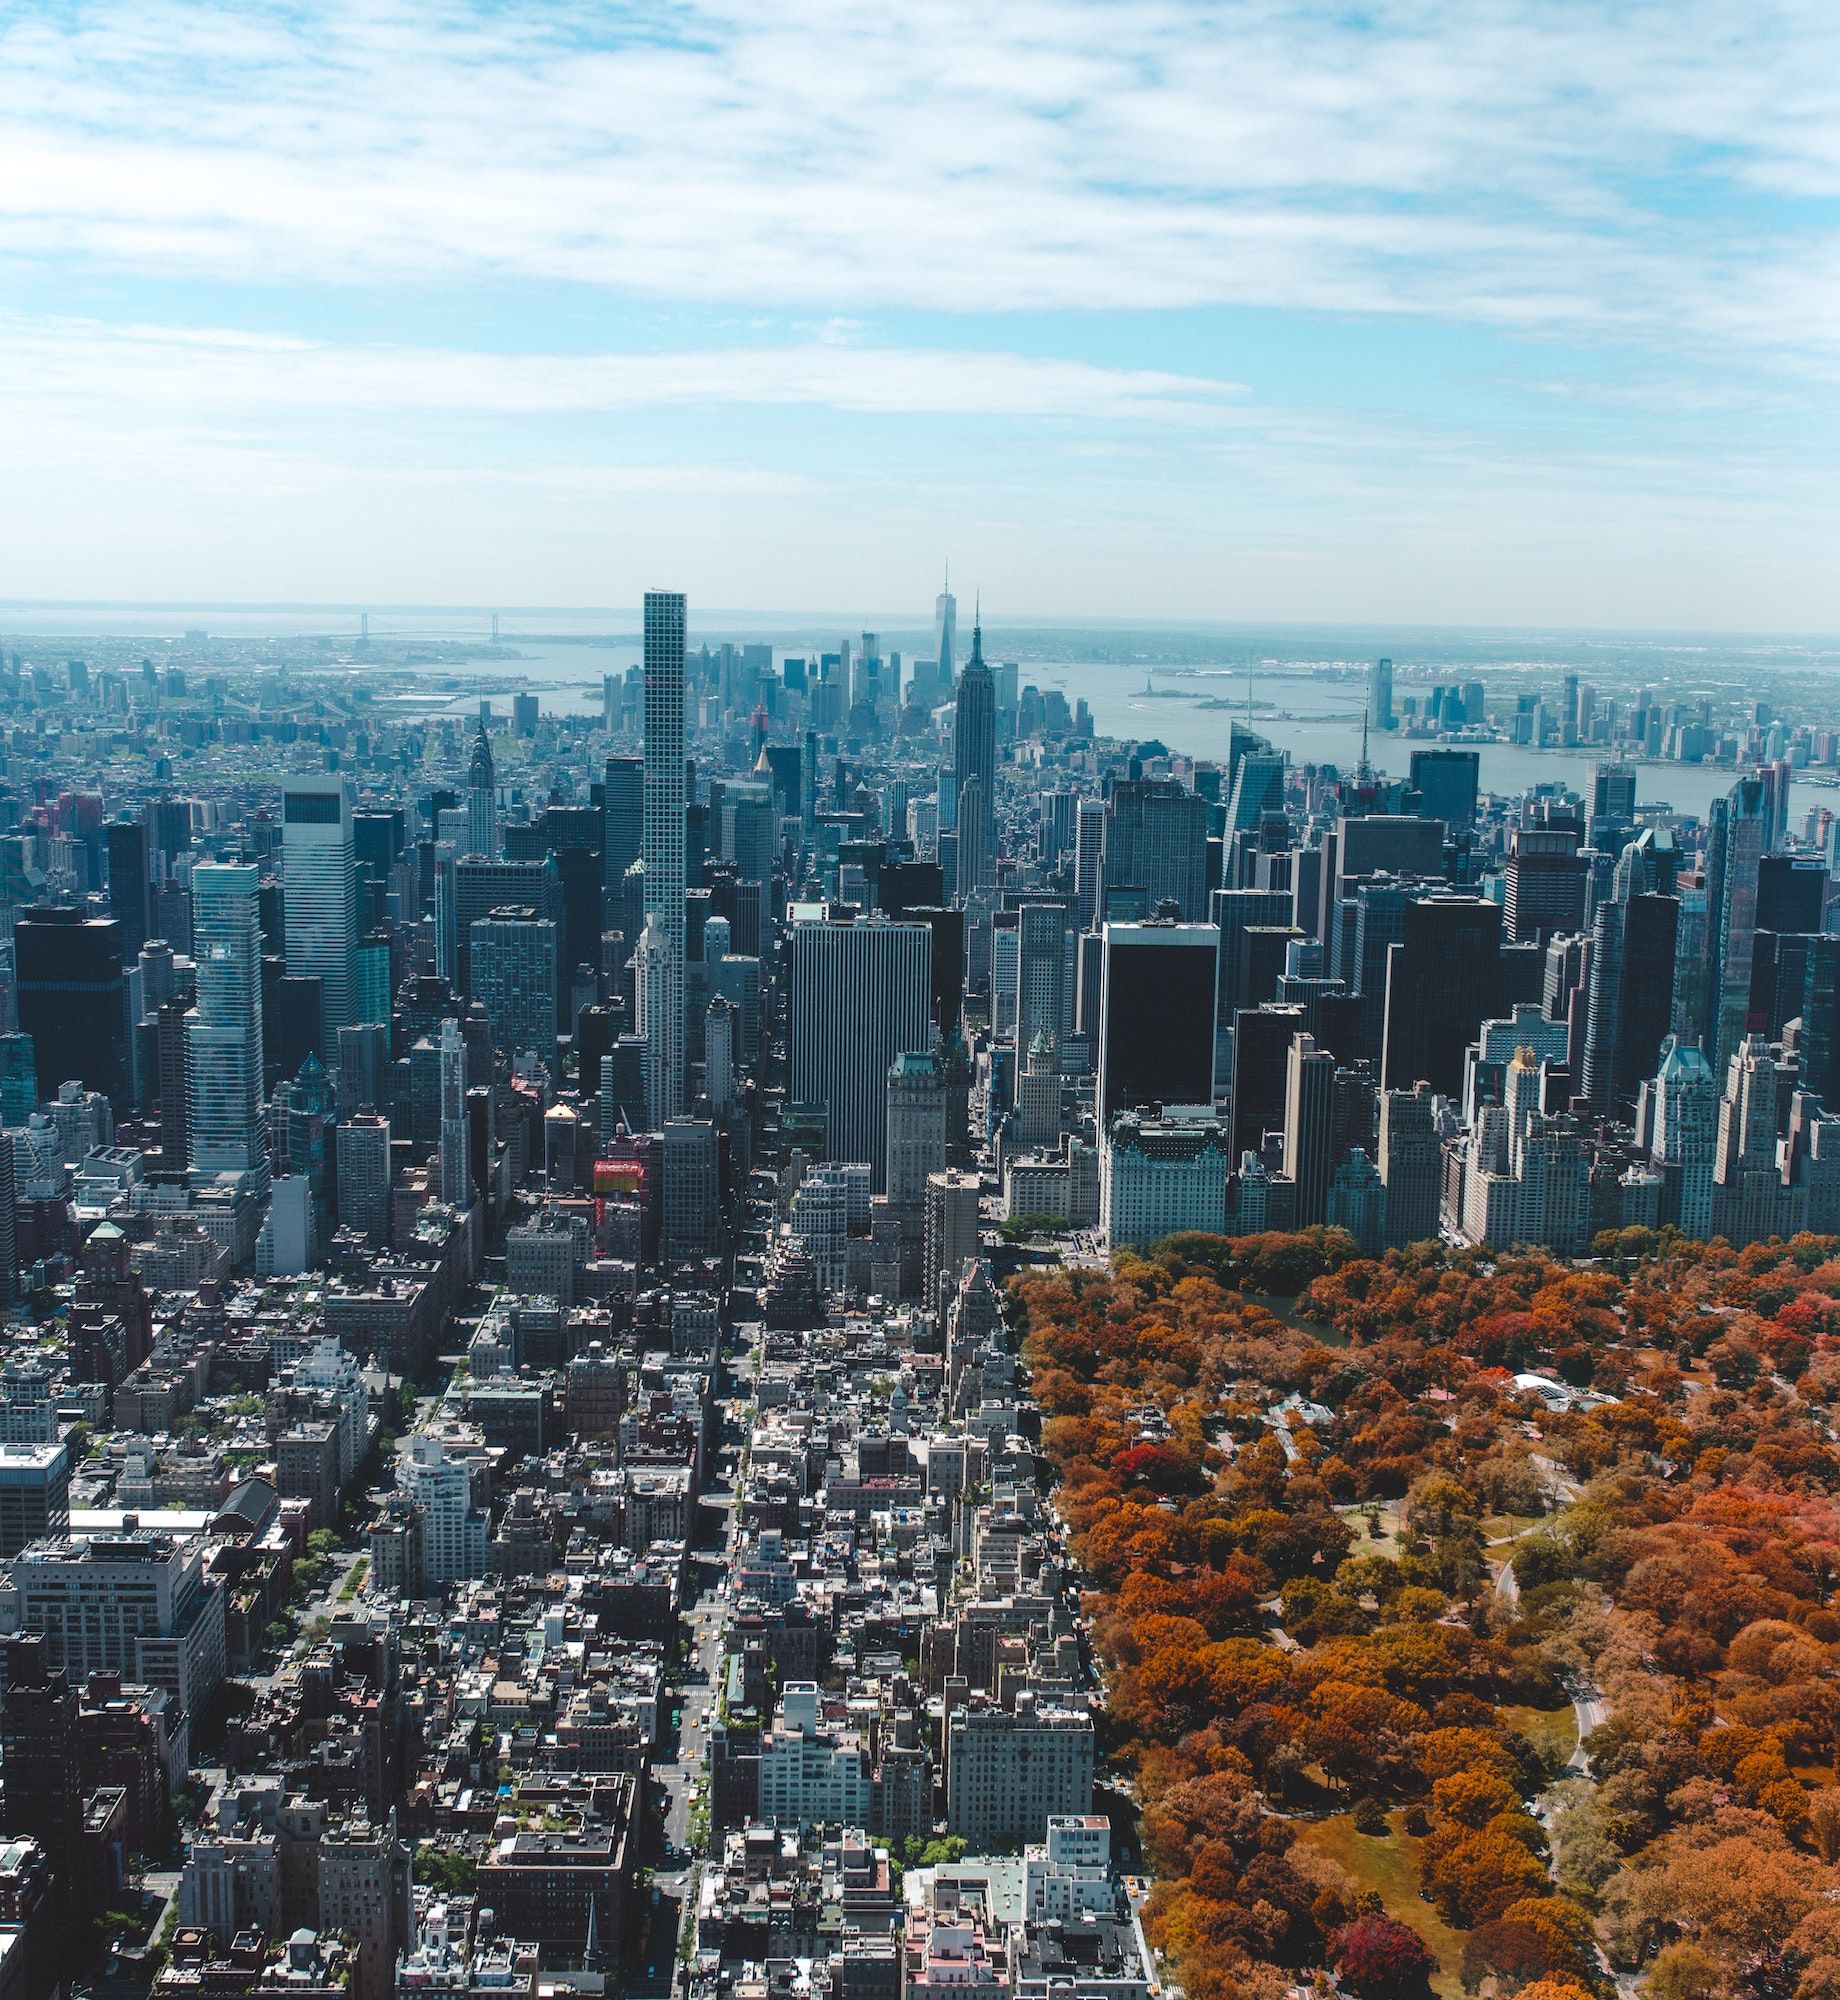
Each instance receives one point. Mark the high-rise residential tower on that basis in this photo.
(1738, 830)
(224, 1028)
(456, 1170)
(665, 804)
(320, 896)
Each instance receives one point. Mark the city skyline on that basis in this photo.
(1230, 315)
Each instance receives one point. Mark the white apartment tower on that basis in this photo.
(664, 846)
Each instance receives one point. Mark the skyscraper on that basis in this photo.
(73, 998)
(1041, 974)
(655, 993)
(859, 995)
(664, 849)
(1156, 833)
(1309, 1106)
(320, 896)
(18, 1079)
(1632, 981)
(130, 880)
(456, 1171)
(363, 1144)
(1737, 839)
(224, 1029)
(1686, 1101)
(623, 812)
(1446, 782)
(974, 763)
(945, 634)
(1443, 980)
(515, 969)
(1411, 1163)
(482, 799)
(1380, 695)
(1156, 1016)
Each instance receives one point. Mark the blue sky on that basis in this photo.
(1491, 313)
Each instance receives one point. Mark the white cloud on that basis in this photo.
(1515, 164)
(227, 371)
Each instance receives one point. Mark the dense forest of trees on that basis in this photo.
(1346, 1571)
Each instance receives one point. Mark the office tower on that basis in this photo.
(974, 764)
(691, 1197)
(1088, 858)
(468, 888)
(18, 1079)
(363, 1067)
(1156, 1016)
(72, 998)
(515, 969)
(223, 1042)
(363, 1148)
(1446, 782)
(377, 839)
(371, 980)
(945, 646)
(9, 1225)
(1737, 840)
(1411, 1165)
(1545, 883)
(1613, 796)
(1686, 1126)
(1443, 980)
(169, 824)
(950, 1234)
(1631, 993)
(171, 1036)
(1041, 974)
(858, 996)
(321, 895)
(664, 833)
(1156, 833)
(1380, 695)
(456, 1168)
(1819, 1006)
(1309, 1103)
(1791, 893)
(1258, 789)
(916, 1129)
(623, 809)
(750, 831)
(1236, 914)
(130, 880)
(482, 799)
(721, 1032)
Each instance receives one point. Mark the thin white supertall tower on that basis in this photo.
(664, 848)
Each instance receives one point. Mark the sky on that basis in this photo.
(1503, 312)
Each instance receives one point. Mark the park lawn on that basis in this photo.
(1386, 1543)
(1551, 1731)
(1499, 1528)
(1388, 1865)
